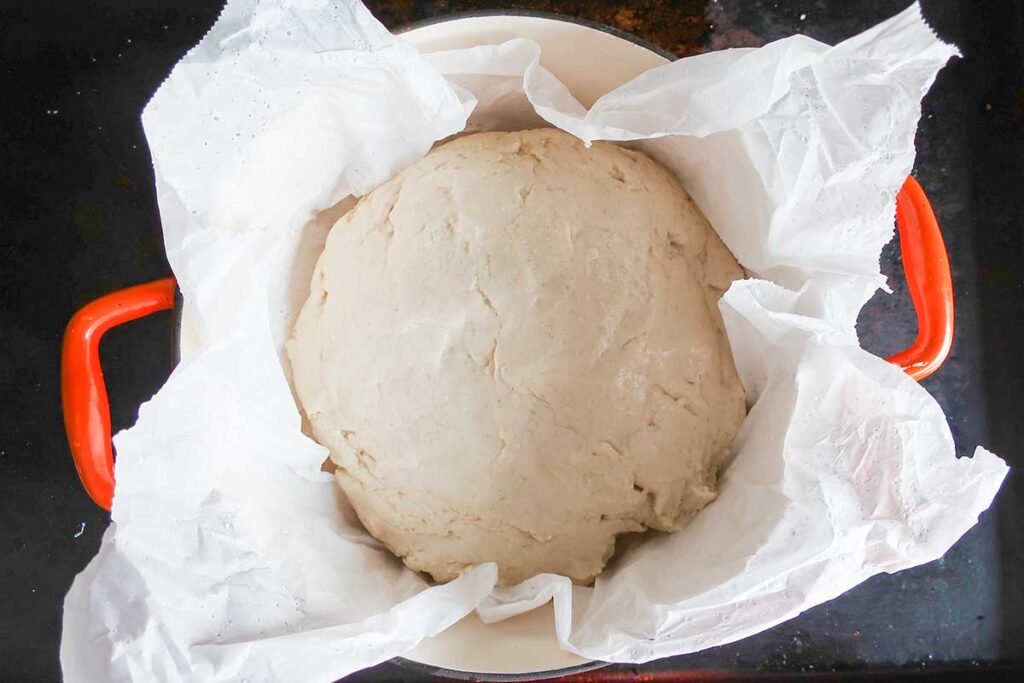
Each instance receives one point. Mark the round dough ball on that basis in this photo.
(514, 353)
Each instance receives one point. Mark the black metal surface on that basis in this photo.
(78, 219)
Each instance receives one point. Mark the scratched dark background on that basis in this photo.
(78, 219)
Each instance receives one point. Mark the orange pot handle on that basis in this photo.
(83, 392)
(929, 281)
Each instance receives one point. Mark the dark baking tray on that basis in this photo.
(78, 219)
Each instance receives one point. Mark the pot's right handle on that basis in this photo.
(929, 281)
(83, 391)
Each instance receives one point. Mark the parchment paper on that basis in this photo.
(231, 556)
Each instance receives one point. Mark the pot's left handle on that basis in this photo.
(83, 392)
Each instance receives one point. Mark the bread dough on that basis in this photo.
(514, 353)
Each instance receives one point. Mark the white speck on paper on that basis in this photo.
(81, 529)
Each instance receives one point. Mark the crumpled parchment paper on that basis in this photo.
(231, 556)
